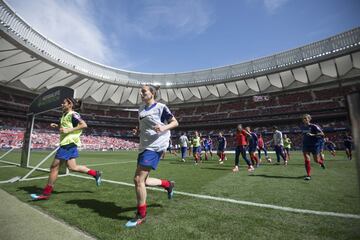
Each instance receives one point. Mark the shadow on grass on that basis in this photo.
(190, 162)
(217, 168)
(106, 209)
(272, 176)
(34, 189)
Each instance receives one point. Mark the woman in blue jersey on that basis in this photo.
(155, 122)
(221, 148)
(71, 125)
(312, 144)
(348, 145)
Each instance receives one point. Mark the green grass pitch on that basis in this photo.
(103, 211)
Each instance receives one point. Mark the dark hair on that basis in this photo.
(275, 127)
(77, 103)
(153, 89)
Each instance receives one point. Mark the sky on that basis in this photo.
(169, 36)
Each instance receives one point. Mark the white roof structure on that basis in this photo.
(31, 62)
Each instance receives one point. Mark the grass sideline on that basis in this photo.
(102, 212)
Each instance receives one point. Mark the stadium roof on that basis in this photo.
(31, 62)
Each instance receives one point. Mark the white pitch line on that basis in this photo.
(37, 178)
(100, 164)
(8, 166)
(220, 199)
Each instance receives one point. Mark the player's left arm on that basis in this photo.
(81, 124)
(172, 123)
(170, 119)
(318, 132)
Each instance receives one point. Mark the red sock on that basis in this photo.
(308, 167)
(48, 190)
(222, 156)
(92, 172)
(165, 183)
(141, 209)
(252, 160)
(320, 160)
(256, 159)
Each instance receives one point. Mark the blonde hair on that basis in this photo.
(307, 116)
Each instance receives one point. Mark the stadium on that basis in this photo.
(210, 201)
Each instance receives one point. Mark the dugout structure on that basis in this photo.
(47, 101)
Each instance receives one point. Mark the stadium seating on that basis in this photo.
(327, 105)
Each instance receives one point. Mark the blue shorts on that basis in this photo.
(196, 150)
(149, 159)
(330, 148)
(314, 149)
(348, 146)
(67, 152)
(219, 150)
(252, 148)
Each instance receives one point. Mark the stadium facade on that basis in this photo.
(31, 62)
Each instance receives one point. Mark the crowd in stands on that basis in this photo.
(44, 137)
(10, 138)
(111, 127)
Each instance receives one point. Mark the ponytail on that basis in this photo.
(77, 103)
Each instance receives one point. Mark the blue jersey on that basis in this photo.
(222, 143)
(253, 141)
(206, 143)
(330, 145)
(311, 140)
(348, 141)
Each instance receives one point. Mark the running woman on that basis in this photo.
(253, 143)
(241, 146)
(183, 145)
(348, 146)
(71, 126)
(221, 147)
(287, 146)
(279, 145)
(155, 122)
(196, 143)
(312, 143)
(206, 145)
(330, 146)
(210, 142)
(262, 147)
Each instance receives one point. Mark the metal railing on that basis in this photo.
(17, 27)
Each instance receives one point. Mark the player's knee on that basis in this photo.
(73, 168)
(137, 180)
(54, 167)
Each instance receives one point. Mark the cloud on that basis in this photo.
(160, 19)
(101, 30)
(273, 5)
(70, 24)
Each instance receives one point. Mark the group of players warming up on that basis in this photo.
(155, 123)
(314, 143)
